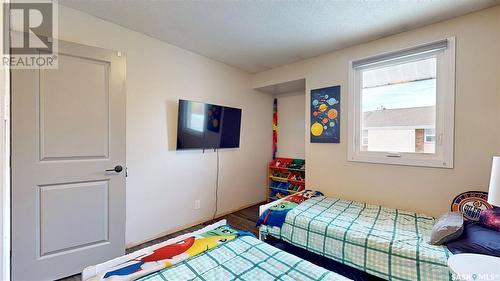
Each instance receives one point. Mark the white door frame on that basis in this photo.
(5, 176)
(4, 158)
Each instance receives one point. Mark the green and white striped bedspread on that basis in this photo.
(388, 243)
(244, 258)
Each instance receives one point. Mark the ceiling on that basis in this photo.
(259, 35)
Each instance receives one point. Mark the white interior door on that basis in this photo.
(68, 128)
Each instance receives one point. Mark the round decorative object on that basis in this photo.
(332, 101)
(470, 204)
(316, 129)
(322, 107)
(332, 113)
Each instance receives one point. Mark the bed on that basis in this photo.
(243, 258)
(387, 243)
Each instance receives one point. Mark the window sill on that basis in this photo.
(421, 161)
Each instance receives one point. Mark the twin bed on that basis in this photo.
(242, 258)
(387, 243)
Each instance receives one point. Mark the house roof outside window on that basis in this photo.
(417, 117)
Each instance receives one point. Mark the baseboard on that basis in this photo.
(235, 210)
(182, 227)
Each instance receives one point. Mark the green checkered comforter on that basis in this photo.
(388, 243)
(244, 258)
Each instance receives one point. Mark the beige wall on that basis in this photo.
(162, 183)
(477, 133)
(498, 74)
(291, 125)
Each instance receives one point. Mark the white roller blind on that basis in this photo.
(414, 51)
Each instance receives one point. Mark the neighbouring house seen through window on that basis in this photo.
(398, 106)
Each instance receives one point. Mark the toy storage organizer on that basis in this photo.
(286, 176)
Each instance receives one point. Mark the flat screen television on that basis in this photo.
(207, 126)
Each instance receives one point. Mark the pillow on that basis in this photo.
(490, 218)
(476, 239)
(448, 227)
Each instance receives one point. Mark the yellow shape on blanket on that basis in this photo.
(206, 243)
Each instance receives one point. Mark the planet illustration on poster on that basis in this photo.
(332, 113)
(325, 115)
(316, 129)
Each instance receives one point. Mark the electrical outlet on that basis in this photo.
(197, 204)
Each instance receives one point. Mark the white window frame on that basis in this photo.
(445, 113)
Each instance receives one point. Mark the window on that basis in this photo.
(430, 135)
(401, 103)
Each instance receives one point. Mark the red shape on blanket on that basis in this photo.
(170, 251)
(301, 197)
(296, 198)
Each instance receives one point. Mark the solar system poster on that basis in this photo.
(325, 115)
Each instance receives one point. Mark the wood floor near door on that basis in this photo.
(244, 219)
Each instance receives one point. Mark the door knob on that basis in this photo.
(117, 169)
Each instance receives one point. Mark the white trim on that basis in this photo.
(4, 158)
(413, 127)
(445, 119)
(5, 179)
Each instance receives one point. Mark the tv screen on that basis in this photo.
(203, 125)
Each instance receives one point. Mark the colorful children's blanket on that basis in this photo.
(244, 259)
(171, 254)
(275, 216)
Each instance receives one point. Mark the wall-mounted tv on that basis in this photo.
(207, 126)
